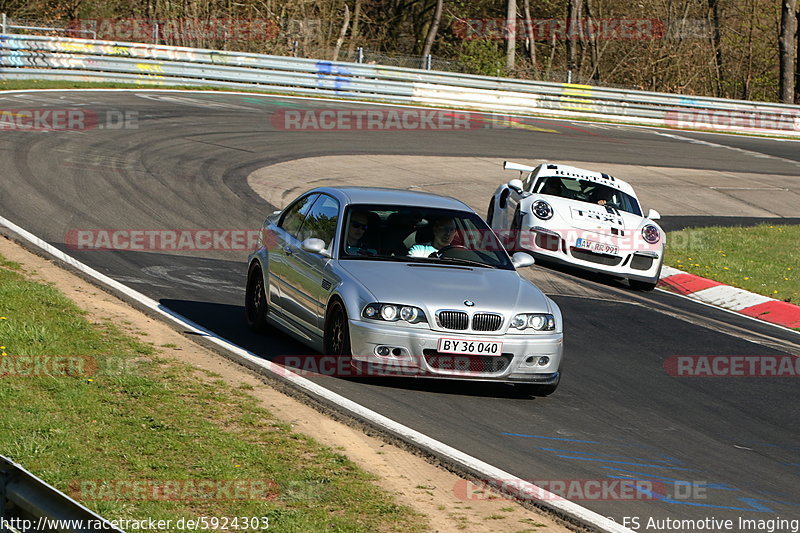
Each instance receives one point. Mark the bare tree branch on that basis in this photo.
(432, 30)
(787, 46)
(342, 33)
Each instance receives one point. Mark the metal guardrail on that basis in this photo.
(29, 504)
(41, 57)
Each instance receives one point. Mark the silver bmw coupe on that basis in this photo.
(403, 283)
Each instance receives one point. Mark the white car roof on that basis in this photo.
(553, 169)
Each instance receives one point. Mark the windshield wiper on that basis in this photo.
(461, 261)
(425, 260)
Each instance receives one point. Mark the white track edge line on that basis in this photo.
(760, 321)
(548, 499)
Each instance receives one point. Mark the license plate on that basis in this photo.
(598, 247)
(470, 347)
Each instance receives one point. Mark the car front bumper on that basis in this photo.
(640, 265)
(413, 352)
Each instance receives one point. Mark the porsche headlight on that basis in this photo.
(651, 234)
(542, 210)
(534, 321)
(393, 312)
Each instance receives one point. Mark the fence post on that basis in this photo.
(360, 56)
(3, 22)
(428, 62)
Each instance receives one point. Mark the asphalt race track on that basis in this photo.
(732, 445)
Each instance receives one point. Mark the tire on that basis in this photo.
(644, 286)
(337, 331)
(255, 300)
(490, 212)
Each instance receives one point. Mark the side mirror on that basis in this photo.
(521, 260)
(515, 185)
(653, 215)
(315, 246)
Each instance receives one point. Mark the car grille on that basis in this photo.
(478, 364)
(601, 259)
(486, 322)
(459, 321)
(453, 319)
(641, 262)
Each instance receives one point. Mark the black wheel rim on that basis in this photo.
(337, 333)
(257, 301)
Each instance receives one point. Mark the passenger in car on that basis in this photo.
(357, 228)
(444, 229)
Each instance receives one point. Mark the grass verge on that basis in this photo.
(764, 259)
(131, 415)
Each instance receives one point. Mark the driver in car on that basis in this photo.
(603, 196)
(444, 229)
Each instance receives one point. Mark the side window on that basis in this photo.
(292, 218)
(320, 223)
(527, 182)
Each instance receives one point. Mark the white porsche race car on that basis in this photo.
(579, 217)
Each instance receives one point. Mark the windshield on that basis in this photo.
(418, 234)
(587, 191)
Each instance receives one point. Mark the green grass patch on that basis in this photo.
(142, 418)
(764, 259)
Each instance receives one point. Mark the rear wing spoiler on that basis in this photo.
(508, 165)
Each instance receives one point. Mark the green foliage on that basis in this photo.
(763, 259)
(657, 46)
(482, 57)
(137, 419)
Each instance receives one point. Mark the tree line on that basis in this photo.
(743, 49)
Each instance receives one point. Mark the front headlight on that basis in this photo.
(542, 210)
(535, 321)
(389, 312)
(393, 312)
(409, 314)
(651, 234)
